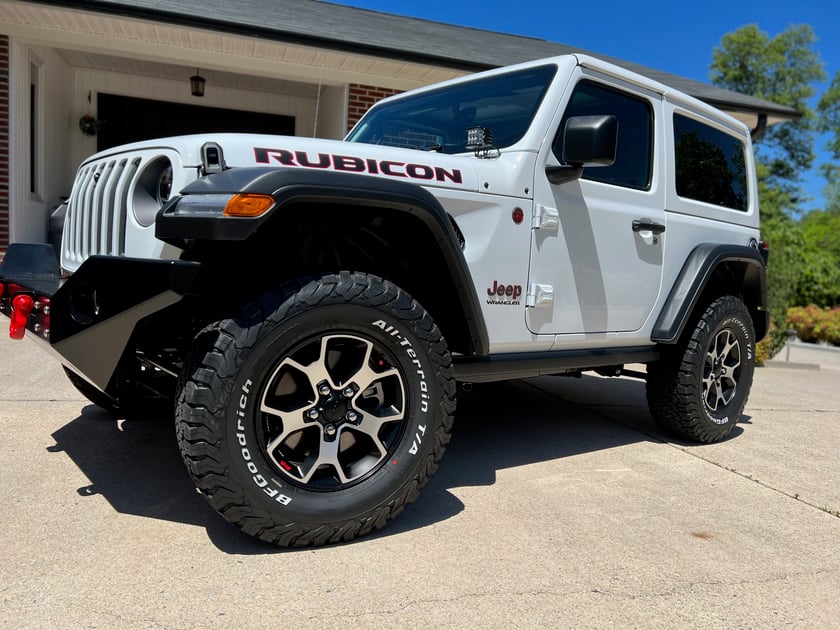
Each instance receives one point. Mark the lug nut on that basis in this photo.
(313, 414)
(329, 429)
(349, 392)
(324, 389)
(351, 416)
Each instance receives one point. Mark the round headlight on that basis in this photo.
(164, 186)
(152, 189)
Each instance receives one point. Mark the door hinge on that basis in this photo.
(539, 295)
(545, 218)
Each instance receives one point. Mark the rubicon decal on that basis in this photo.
(507, 294)
(353, 164)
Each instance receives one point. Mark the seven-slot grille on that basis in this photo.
(98, 207)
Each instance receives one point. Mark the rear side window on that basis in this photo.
(710, 164)
(632, 166)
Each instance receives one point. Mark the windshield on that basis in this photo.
(438, 120)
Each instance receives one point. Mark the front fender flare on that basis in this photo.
(291, 187)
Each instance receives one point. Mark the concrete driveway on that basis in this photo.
(558, 504)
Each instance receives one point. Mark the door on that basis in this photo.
(599, 240)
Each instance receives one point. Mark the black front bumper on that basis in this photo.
(87, 319)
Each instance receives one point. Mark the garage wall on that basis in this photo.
(4, 145)
(29, 210)
(361, 98)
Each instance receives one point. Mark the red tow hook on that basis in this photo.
(22, 306)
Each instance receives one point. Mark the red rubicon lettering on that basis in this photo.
(419, 171)
(303, 160)
(348, 163)
(354, 164)
(267, 156)
(387, 168)
(441, 174)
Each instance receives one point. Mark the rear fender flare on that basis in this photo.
(693, 280)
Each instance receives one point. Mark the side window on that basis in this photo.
(710, 164)
(633, 159)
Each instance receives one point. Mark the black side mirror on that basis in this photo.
(587, 141)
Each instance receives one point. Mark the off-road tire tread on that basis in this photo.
(674, 393)
(216, 358)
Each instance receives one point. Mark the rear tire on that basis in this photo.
(699, 388)
(320, 412)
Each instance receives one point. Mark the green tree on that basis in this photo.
(829, 121)
(820, 278)
(782, 69)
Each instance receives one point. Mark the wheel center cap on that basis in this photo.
(333, 409)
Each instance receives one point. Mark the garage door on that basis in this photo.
(127, 119)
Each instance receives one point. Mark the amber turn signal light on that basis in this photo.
(246, 205)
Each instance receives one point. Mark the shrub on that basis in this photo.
(764, 350)
(813, 324)
(832, 327)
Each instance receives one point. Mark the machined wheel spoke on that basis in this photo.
(292, 422)
(717, 394)
(316, 371)
(366, 376)
(728, 373)
(371, 424)
(289, 427)
(723, 360)
(730, 343)
(327, 456)
(326, 408)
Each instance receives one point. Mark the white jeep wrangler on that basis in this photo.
(310, 305)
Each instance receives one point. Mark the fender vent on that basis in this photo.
(458, 231)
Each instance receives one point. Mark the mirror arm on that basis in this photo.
(558, 175)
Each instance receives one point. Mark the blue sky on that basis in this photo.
(676, 37)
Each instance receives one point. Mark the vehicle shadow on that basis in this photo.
(135, 464)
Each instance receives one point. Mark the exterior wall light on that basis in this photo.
(197, 83)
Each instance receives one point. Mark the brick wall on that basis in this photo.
(4, 144)
(361, 97)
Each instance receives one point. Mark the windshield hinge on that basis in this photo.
(545, 218)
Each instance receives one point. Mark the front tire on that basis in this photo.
(318, 413)
(699, 388)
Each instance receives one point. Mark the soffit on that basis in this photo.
(140, 41)
(175, 72)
